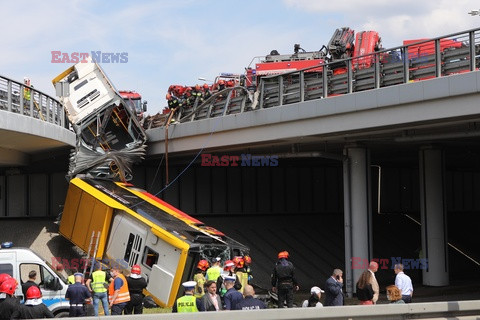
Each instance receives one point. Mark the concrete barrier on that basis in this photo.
(464, 310)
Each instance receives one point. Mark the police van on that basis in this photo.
(18, 262)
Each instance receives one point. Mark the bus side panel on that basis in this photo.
(80, 235)
(70, 209)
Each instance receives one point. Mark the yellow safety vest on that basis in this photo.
(99, 280)
(213, 273)
(26, 93)
(243, 278)
(71, 279)
(199, 278)
(123, 295)
(187, 304)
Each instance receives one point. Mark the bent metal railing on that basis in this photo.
(26, 100)
(431, 58)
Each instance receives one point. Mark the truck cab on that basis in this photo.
(18, 262)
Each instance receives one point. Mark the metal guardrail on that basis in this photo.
(17, 98)
(461, 310)
(431, 58)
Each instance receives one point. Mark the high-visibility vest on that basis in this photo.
(123, 294)
(26, 93)
(71, 279)
(199, 278)
(213, 273)
(187, 304)
(98, 281)
(243, 278)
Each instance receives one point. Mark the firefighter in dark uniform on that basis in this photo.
(136, 284)
(206, 91)
(188, 303)
(8, 303)
(174, 104)
(283, 280)
(77, 294)
(197, 94)
(33, 308)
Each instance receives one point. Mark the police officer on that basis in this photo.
(232, 296)
(188, 303)
(249, 302)
(77, 294)
(98, 284)
(118, 294)
(33, 308)
(283, 280)
(8, 303)
(136, 284)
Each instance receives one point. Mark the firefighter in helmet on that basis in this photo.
(283, 280)
(239, 270)
(199, 278)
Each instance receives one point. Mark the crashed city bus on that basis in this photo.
(135, 227)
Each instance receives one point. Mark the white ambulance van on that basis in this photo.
(18, 262)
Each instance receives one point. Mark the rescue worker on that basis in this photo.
(8, 303)
(221, 85)
(118, 294)
(215, 270)
(188, 97)
(97, 284)
(199, 278)
(283, 280)
(232, 296)
(32, 276)
(3, 277)
(71, 278)
(188, 303)
(227, 271)
(197, 94)
(239, 271)
(248, 262)
(26, 91)
(77, 294)
(206, 91)
(174, 104)
(33, 308)
(136, 284)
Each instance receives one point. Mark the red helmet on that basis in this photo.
(283, 254)
(168, 96)
(220, 82)
(4, 276)
(228, 264)
(197, 87)
(205, 86)
(203, 265)
(247, 260)
(136, 269)
(34, 293)
(8, 286)
(238, 261)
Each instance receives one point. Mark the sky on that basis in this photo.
(178, 42)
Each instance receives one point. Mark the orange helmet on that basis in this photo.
(283, 254)
(238, 261)
(34, 293)
(228, 264)
(136, 269)
(4, 276)
(221, 82)
(247, 260)
(197, 87)
(205, 86)
(8, 286)
(168, 96)
(203, 265)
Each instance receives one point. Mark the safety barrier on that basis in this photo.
(465, 310)
(25, 100)
(437, 57)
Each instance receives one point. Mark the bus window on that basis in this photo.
(150, 257)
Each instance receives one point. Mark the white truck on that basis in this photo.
(18, 262)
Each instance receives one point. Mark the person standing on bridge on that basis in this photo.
(404, 283)
(283, 280)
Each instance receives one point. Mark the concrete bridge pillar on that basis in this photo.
(357, 214)
(434, 217)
